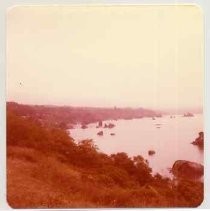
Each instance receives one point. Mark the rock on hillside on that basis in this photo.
(187, 170)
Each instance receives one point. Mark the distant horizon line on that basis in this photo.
(197, 109)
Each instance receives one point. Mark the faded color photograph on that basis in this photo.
(105, 106)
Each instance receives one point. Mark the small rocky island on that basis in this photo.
(188, 114)
(100, 124)
(110, 125)
(84, 126)
(100, 133)
(106, 125)
(199, 141)
(151, 152)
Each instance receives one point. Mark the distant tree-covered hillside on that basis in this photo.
(64, 116)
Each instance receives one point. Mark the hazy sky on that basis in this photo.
(142, 56)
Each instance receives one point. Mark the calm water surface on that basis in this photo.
(171, 141)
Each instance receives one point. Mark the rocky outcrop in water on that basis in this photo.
(110, 125)
(187, 170)
(100, 124)
(84, 126)
(199, 141)
(188, 114)
(151, 152)
(100, 133)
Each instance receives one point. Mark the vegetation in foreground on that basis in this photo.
(47, 169)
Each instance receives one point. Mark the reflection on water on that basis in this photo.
(170, 138)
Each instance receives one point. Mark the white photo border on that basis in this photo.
(204, 5)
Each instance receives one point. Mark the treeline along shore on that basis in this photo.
(66, 116)
(46, 168)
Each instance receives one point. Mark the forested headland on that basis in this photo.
(66, 116)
